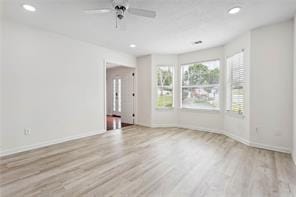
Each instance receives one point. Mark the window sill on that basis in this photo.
(165, 109)
(200, 110)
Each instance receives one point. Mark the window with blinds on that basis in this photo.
(235, 83)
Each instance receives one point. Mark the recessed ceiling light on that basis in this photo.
(132, 45)
(29, 8)
(234, 10)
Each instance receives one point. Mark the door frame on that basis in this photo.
(105, 93)
(135, 101)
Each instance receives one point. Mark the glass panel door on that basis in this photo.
(116, 96)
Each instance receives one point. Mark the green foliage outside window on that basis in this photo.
(164, 87)
(200, 74)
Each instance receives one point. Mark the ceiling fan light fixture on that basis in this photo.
(29, 8)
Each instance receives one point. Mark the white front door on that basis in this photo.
(116, 96)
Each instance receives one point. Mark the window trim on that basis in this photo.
(219, 87)
(156, 88)
(228, 85)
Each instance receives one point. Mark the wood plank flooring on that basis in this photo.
(114, 123)
(139, 161)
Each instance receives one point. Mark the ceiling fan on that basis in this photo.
(120, 7)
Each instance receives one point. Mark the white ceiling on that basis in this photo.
(177, 25)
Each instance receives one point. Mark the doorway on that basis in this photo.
(120, 96)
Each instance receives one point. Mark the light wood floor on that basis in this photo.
(141, 161)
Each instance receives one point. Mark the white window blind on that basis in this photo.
(235, 83)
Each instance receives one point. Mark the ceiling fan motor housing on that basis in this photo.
(120, 6)
(120, 12)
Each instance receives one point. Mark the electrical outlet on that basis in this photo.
(27, 131)
(257, 130)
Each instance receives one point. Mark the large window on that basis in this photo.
(235, 83)
(200, 85)
(164, 86)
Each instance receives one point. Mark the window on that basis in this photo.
(117, 95)
(114, 94)
(235, 83)
(200, 85)
(164, 86)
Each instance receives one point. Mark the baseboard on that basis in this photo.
(186, 127)
(268, 147)
(47, 143)
(257, 145)
(192, 127)
(163, 125)
(237, 138)
(143, 124)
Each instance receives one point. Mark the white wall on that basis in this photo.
(203, 119)
(294, 102)
(271, 78)
(1, 45)
(238, 126)
(163, 117)
(267, 121)
(143, 84)
(53, 85)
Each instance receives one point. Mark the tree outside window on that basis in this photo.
(164, 86)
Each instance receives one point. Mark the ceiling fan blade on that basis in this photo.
(98, 11)
(142, 12)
